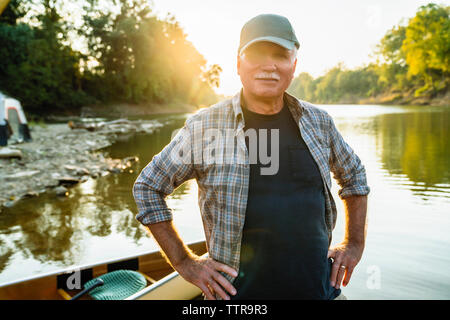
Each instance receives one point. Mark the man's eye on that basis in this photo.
(281, 55)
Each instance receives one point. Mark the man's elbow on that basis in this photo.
(354, 190)
(137, 189)
(151, 205)
(355, 184)
(148, 218)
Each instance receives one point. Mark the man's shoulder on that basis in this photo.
(313, 109)
(221, 109)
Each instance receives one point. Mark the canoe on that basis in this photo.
(162, 282)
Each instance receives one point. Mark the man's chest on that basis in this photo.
(227, 154)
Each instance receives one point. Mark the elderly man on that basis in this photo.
(268, 218)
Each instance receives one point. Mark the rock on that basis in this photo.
(91, 143)
(61, 191)
(131, 159)
(73, 125)
(24, 174)
(9, 204)
(62, 157)
(55, 175)
(6, 152)
(50, 183)
(95, 173)
(30, 194)
(68, 180)
(79, 171)
(114, 170)
(149, 128)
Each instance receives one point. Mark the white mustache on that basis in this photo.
(265, 75)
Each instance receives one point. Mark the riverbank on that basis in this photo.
(407, 98)
(397, 98)
(60, 157)
(133, 110)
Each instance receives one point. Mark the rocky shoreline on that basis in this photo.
(60, 156)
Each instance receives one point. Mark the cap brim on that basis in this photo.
(290, 45)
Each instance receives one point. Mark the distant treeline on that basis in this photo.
(412, 59)
(129, 56)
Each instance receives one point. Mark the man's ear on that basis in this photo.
(293, 70)
(238, 64)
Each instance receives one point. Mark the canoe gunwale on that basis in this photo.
(72, 269)
(156, 285)
(153, 286)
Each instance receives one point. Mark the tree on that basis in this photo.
(13, 12)
(303, 87)
(392, 67)
(38, 68)
(412, 57)
(427, 47)
(140, 58)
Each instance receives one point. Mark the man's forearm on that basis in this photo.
(347, 254)
(170, 242)
(355, 219)
(203, 272)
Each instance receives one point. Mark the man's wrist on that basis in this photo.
(357, 242)
(183, 260)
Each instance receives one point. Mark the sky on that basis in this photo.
(329, 31)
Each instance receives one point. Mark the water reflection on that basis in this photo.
(410, 144)
(5, 254)
(416, 145)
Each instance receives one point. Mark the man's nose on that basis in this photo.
(268, 66)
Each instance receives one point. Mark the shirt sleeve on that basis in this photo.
(346, 166)
(163, 174)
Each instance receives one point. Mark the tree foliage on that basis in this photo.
(427, 46)
(130, 56)
(412, 57)
(36, 66)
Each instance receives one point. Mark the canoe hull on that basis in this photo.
(152, 265)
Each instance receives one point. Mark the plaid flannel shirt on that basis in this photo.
(223, 187)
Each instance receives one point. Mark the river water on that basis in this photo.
(406, 152)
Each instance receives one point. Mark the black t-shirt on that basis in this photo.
(285, 240)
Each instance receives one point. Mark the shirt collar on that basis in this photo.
(295, 106)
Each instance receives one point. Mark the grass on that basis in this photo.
(39, 122)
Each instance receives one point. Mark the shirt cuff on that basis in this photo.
(353, 191)
(148, 218)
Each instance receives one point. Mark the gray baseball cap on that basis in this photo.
(268, 27)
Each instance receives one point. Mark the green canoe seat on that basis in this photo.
(118, 285)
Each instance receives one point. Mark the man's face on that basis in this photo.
(266, 69)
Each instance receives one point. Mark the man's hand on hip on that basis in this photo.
(345, 258)
(204, 273)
